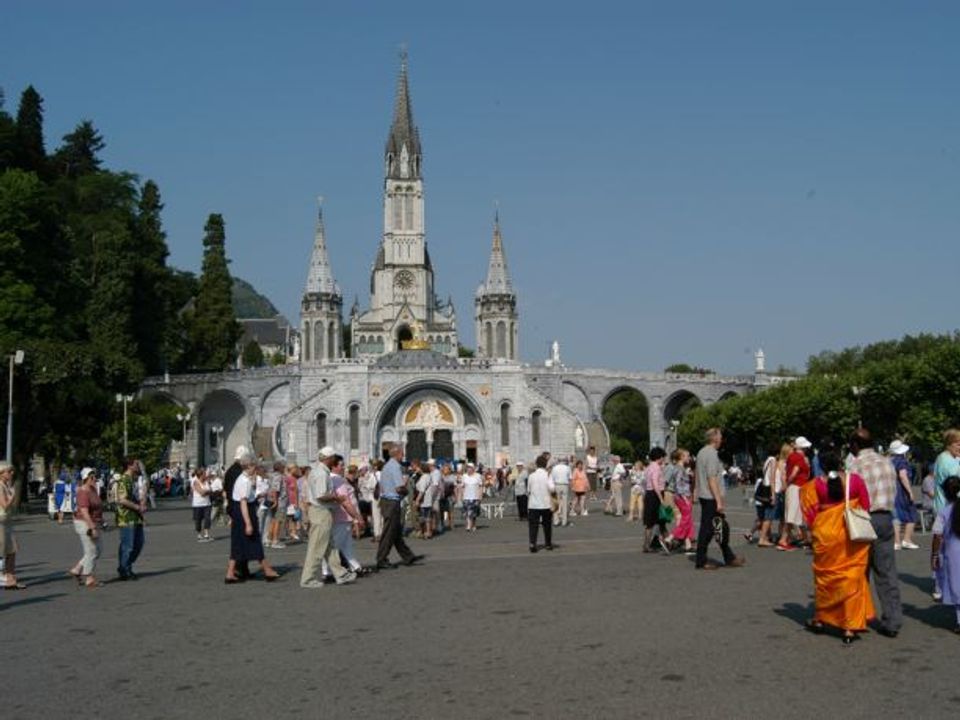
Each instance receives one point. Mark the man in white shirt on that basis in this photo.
(540, 488)
(321, 499)
(615, 501)
(472, 493)
(560, 476)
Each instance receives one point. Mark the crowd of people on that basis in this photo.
(851, 512)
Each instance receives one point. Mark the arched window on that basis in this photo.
(332, 341)
(318, 341)
(488, 340)
(305, 344)
(505, 425)
(535, 428)
(501, 339)
(321, 430)
(354, 427)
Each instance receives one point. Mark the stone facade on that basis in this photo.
(405, 382)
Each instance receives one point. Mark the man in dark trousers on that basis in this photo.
(393, 488)
(229, 480)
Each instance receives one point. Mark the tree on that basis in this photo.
(8, 136)
(627, 417)
(684, 368)
(214, 329)
(464, 352)
(154, 318)
(30, 152)
(80, 152)
(252, 355)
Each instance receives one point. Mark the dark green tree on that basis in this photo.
(214, 329)
(30, 151)
(252, 355)
(8, 136)
(80, 152)
(627, 417)
(153, 314)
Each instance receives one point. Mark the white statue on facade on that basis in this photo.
(296, 346)
(761, 361)
(555, 353)
(578, 435)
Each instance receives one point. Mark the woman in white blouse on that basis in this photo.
(540, 491)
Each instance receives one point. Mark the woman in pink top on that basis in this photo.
(580, 484)
(86, 523)
(653, 499)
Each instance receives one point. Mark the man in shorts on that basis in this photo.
(798, 473)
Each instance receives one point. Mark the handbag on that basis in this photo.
(857, 520)
(665, 513)
(763, 494)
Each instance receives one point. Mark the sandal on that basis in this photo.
(14, 586)
(766, 544)
(93, 585)
(813, 626)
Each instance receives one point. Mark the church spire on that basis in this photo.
(403, 152)
(320, 276)
(498, 277)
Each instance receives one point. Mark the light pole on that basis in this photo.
(674, 424)
(218, 431)
(858, 391)
(15, 359)
(184, 418)
(121, 398)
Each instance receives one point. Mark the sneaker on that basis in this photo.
(347, 579)
(896, 546)
(586, 512)
(906, 545)
(937, 595)
(312, 585)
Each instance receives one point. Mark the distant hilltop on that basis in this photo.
(248, 303)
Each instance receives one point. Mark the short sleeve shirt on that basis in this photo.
(798, 460)
(946, 466)
(125, 516)
(709, 466)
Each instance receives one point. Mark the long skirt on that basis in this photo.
(243, 547)
(904, 510)
(842, 591)
(948, 576)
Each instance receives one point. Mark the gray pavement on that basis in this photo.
(483, 629)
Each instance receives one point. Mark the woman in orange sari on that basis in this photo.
(842, 592)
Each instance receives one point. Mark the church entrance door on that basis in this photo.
(416, 445)
(443, 445)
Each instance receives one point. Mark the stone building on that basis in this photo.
(404, 381)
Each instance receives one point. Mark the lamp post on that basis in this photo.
(218, 431)
(184, 418)
(674, 425)
(121, 398)
(858, 391)
(15, 359)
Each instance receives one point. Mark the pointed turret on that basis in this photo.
(320, 276)
(496, 305)
(403, 152)
(498, 277)
(320, 310)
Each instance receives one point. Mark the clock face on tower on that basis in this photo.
(404, 280)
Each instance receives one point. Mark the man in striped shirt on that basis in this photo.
(880, 478)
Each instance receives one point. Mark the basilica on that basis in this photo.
(402, 380)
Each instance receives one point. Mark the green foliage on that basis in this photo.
(151, 425)
(252, 356)
(627, 417)
(248, 303)
(214, 329)
(30, 153)
(80, 152)
(911, 391)
(465, 352)
(278, 358)
(8, 136)
(624, 448)
(684, 368)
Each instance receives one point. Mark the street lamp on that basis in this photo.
(218, 431)
(858, 391)
(184, 418)
(15, 359)
(674, 424)
(121, 398)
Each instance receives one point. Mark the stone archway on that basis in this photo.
(227, 410)
(626, 414)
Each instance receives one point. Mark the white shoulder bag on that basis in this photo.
(859, 527)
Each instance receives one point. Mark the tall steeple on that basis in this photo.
(322, 305)
(496, 306)
(498, 277)
(403, 154)
(320, 275)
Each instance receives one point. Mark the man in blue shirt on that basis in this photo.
(393, 487)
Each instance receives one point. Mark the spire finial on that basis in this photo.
(320, 207)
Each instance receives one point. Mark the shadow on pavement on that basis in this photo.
(796, 612)
(166, 571)
(942, 617)
(29, 600)
(924, 584)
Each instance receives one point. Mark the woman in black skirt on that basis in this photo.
(653, 499)
(245, 540)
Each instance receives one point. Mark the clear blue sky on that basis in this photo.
(677, 181)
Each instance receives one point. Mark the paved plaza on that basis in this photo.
(483, 629)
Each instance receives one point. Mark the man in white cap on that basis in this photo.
(798, 474)
(321, 499)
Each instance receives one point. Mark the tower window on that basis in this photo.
(505, 425)
(535, 428)
(321, 430)
(354, 427)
